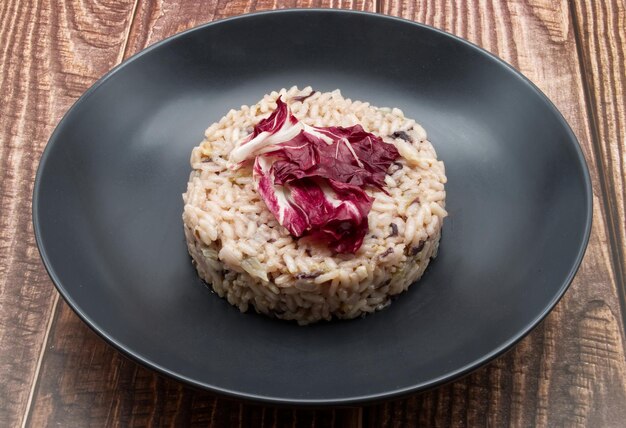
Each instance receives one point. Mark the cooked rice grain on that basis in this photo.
(239, 248)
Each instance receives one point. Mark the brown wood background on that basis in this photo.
(570, 371)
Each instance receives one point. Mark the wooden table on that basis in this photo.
(570, 371)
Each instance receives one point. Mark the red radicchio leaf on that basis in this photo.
(312, 179)
(356, 157)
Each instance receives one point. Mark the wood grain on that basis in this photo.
(49, 54)
(601, 30)
(85, 382)
(571, 370)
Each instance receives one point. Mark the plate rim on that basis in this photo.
(277, 400)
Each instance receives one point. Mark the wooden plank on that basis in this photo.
(85, 382)
(601, 30)
(50, 52)
(571, 371)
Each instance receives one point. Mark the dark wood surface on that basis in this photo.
(570, 371)
(601, 37)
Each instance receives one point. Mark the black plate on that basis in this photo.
(107, 207)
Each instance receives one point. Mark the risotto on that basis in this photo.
(251, 257)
